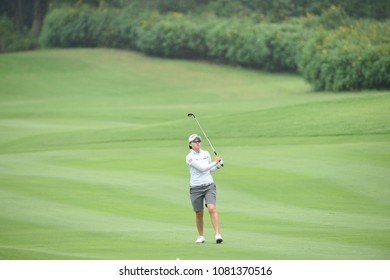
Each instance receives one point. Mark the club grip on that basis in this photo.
(215, 153)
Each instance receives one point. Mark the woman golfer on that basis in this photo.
(202, 187)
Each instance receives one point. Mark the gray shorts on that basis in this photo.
(199, 193)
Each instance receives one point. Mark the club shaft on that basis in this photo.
(211, 145)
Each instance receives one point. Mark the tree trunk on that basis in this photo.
(19, 14)
(40, 9)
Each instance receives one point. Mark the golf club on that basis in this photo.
(204, 133)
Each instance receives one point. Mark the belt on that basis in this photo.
(202, 185)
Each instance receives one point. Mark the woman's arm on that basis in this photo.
(204, 167)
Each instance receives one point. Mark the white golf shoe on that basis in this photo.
(218, 239)
(200, 239)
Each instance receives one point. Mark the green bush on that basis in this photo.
(83, 26)
(173, 35)
(249, 48)
(237, 43)
(270, 46)
(12, 39)
(101, 31)
(284, 40)
(124, 28)
(69, 27)
(348, 58)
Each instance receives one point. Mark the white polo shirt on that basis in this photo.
(200, 165)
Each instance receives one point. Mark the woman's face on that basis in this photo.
(196, 145)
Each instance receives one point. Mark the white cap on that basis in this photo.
(193, 137)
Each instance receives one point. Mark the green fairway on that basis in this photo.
(92, 161)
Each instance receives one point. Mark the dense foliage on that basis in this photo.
(350, 57)
(328, 45)
(13, 40)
